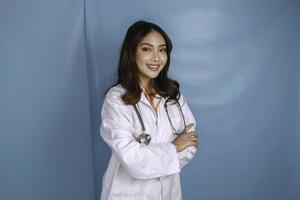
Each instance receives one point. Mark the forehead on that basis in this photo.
(154, 38)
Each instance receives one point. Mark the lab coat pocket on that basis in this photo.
(126, 187)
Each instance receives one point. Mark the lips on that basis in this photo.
(153, 67)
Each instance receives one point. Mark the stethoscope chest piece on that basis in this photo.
(145, 138)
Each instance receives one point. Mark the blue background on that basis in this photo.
(238, 64)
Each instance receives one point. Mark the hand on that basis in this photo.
(186, 139)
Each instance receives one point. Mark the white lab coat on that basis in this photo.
(136, 171)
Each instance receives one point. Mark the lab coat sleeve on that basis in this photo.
(188, 154)
(140, 161)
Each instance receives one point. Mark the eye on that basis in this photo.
(163, 50)
(146, 49)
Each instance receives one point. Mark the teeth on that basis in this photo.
(153, 67)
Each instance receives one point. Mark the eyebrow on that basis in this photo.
(145, 43)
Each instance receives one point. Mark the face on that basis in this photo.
(151, 57)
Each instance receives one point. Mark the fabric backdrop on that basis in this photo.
(238, 64)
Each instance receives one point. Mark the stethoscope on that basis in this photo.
(145, 138)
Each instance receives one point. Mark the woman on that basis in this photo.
(146, 121)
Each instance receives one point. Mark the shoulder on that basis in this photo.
(116, 91)
(115, 94)
(113, 107)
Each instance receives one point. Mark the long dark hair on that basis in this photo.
(128, 70)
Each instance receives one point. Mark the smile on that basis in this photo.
(153, 67)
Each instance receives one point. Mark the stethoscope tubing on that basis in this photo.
(146, 138)
(140, 118)
(181, 113)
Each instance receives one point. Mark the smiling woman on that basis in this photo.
(151, 57)
(144, 119)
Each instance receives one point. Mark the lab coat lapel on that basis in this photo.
(144, 99)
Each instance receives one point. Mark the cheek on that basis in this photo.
(137, 58)
(141, 58)
(164, 59)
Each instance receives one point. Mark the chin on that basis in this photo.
(153, 76)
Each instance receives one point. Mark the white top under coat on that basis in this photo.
(136, 171)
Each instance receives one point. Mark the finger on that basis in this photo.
(194, 138)
(186, 129)
(194, 143)
(192, 133)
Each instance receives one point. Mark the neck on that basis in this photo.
(146, 84)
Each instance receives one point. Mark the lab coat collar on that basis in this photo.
(144, 99)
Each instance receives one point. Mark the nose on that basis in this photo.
(155, 56)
